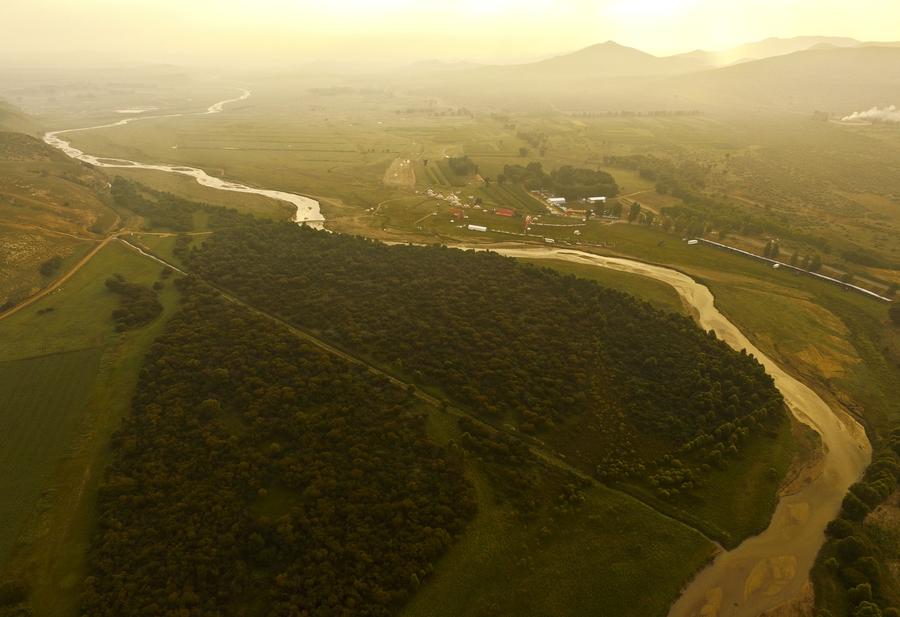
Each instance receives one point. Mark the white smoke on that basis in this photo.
(876, 114)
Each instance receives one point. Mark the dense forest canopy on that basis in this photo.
(258, 475)
(167, 211)
(567, 181)
(514, 344)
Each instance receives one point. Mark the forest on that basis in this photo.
(138, 304)
(167, 211)
(257, 475)
(567, 181)
(630, 392)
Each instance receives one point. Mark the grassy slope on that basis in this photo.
(51, 544)
(23, 250)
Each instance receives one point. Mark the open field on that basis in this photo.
(68, 335)
(23, 250)
(41, 400)
(658, 294)
(560, 564)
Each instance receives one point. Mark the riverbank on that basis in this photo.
(307, 210)
(770, 569)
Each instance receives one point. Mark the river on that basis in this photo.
(307, 210)
(765, 571)
(771, 569)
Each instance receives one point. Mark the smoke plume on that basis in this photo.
(876, 114)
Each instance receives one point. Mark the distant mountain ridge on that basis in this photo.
(767, 48)
(830, 74)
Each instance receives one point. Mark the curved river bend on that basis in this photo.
(765, 571)
(307, 210)
(771, 569)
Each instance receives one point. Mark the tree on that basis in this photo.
(523, 151)
(894, 314)
(50, 266)
(867, 609)
(816, 264)
(891, 290)
(634, 212)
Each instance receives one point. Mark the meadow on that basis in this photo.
(559, 563)
(66, 339)
(37, 426)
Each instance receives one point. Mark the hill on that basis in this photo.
(610, 77)
(608, 59)
(767, 48)
(13, 119)
(832, 79)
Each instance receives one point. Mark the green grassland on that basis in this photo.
(61, 356)
(658, 294)
(593, 559)
(37, 425)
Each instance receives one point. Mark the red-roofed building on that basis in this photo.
(504, 212)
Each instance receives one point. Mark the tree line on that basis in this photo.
(567, 181)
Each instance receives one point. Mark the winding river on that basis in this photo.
(307, 210)
(765, 571)
(771, 569)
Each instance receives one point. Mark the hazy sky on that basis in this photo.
(290, 31)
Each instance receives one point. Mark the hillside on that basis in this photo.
(766, 48)
(831, 79)
(607, 59)
(50, 212)
(15, 120)
(610, 77)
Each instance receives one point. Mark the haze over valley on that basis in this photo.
(416, 309)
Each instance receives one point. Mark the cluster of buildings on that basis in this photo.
(562, 204)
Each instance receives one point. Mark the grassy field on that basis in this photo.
(37, 426)
(658, 294)
(23, 250)
(595, 560)
(67, 339)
